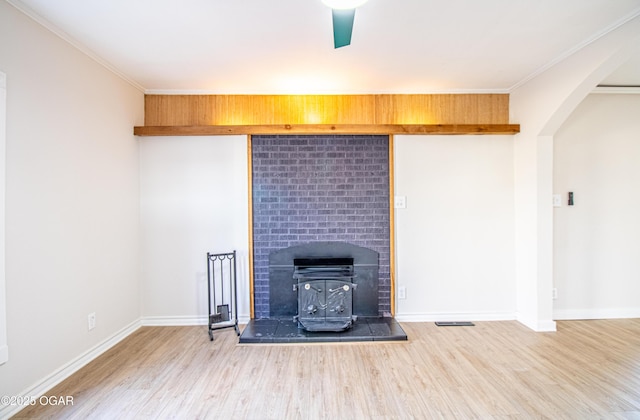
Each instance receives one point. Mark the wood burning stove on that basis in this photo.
(283, 302)
(325, 293)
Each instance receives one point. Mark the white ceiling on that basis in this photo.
(286, 46)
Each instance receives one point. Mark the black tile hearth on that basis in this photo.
(285, 330)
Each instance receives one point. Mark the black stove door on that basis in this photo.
(325, 305)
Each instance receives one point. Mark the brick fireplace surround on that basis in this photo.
(319, 188)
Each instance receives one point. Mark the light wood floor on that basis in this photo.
(588, 369)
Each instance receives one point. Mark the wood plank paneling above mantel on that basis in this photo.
(181, 115)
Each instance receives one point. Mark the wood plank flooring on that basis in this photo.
(495, 370)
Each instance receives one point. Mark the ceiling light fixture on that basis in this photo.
(343, 13)
(344, 4)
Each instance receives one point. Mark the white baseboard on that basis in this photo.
(539, 325)
(454, 316)
(604, 313)
(173, 321)
(45, 384)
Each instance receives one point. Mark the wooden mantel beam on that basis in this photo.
(425, 129)
(214, 115)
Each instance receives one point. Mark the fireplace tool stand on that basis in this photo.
(222, 292)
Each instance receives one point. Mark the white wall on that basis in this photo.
(72, 209)
(597, 241)
(455, 239)
(540, 106)
(194, 200)
(194, 193)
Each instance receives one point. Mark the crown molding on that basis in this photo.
(634, 14)
(30, 13)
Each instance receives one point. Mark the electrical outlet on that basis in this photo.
(402, 292)
(91, 318)
(400, 202)
(554, 293)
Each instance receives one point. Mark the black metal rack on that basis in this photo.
(221, 272)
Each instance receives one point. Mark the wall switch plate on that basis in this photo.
(400, 202)
(557, 200)
(402, 292)
(554, 293)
